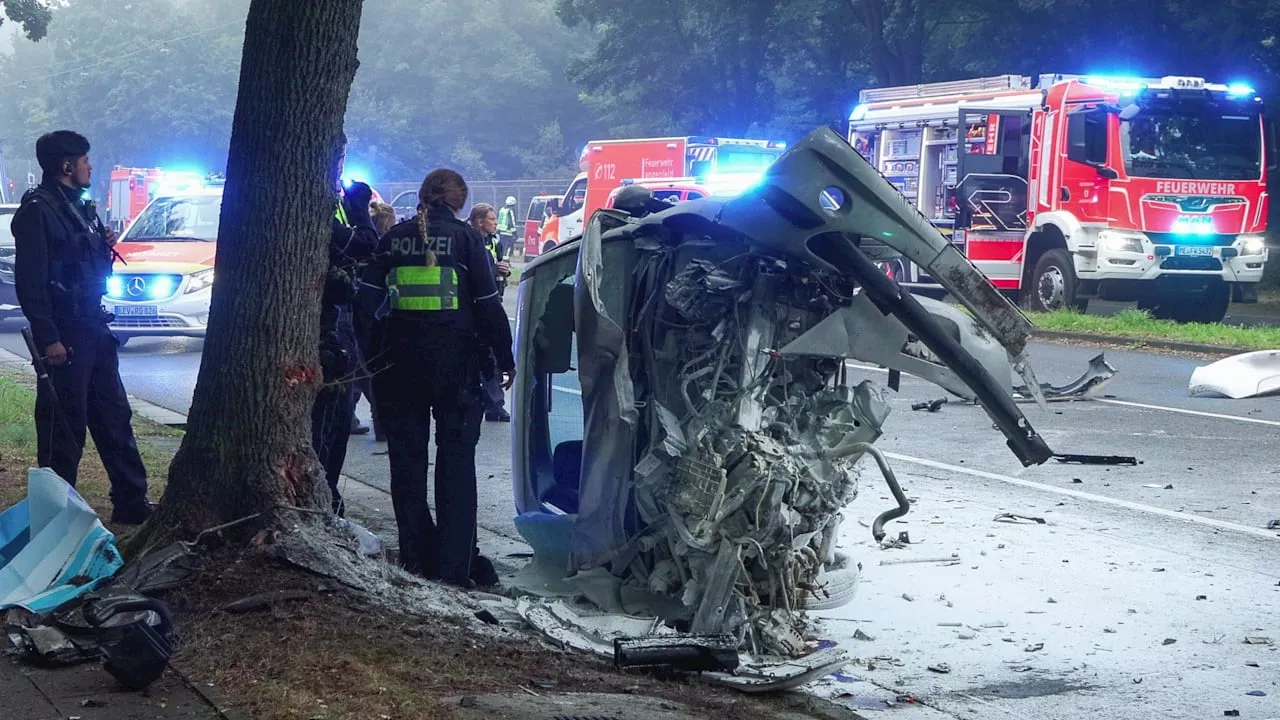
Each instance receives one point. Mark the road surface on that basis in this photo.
(1133, 599)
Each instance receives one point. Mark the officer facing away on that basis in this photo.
(352, 241)
(507, 225)
(63, 260)
(444, 310)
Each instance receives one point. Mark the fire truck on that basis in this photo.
(1129, 189)
(724, 166)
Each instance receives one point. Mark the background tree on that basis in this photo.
(32, 15)
(247, 448)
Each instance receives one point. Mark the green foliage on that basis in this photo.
(32, 15)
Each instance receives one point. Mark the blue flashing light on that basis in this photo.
(1239, 88)
(1121, 85)
(1194, 225)
(859, 112)
(354, 174)
(731, 184)
(178, 181)
(161, 286)
(115, 287)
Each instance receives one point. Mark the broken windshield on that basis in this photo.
(1164, 143)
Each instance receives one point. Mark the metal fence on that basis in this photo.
(494, 192)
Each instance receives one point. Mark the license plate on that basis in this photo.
(135, 311)
(1194, 251)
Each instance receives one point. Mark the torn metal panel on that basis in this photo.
(861, 331)
(1240, 376)
(1087, 386)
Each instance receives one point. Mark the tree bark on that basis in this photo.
(248, 444)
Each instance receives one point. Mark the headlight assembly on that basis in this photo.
(1252, 244)
(200, 280)
(1112, 241)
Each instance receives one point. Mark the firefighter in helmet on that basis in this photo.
(507, 225)
(444, 312)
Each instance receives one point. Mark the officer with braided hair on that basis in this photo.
(445, 312)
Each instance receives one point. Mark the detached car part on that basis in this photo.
(1239, 376)
(700, 454)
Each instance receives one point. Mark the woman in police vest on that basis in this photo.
(445, 311)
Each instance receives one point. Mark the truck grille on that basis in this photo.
(148, 322)
(1174, 239)
(1191, 263)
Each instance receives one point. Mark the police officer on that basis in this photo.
(444, 310)
(64, 257)
(485, 222)
(507, 225)
(352, 241)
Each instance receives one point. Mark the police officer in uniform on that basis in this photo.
(352, 241)
(63, 259)
(444, 311)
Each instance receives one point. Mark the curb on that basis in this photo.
(1169, 345)
(154, 413)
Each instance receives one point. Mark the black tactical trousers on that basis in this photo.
(91, 396)
(432, 373)
(331, 413)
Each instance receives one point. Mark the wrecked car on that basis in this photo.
(685, 435)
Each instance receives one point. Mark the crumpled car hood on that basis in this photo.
(1239, 376)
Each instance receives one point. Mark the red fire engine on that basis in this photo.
(1126, 189)
(129, 193)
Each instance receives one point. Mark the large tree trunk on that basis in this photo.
(248, 446)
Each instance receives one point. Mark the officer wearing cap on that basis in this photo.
(444, 312)
(63, 259)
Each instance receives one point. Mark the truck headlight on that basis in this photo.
(200, 280)
(1113, 241)
(1252, 244)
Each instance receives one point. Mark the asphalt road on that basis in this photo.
(1132, 599)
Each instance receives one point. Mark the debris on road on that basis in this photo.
(1257, 640)
(952, 559)
(1012, 518)
(859, 635)
(1168, 641)
(1231, 713)
(1157, 486)
(908, 597)
(940, 668)
(1097, 459)
(1037, 647)
(1273, 524)
(1246, 375)
(1256, 693)
(930, 405)
(1085, 387)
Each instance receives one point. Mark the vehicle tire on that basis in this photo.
(836, 588)
(1053, 284)
(1208, 307)
(551, 245)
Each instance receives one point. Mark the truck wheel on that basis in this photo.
(1054, 283)
(551, 245)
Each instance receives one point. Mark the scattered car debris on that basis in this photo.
(1273, 524)
(951, 559)
(1256, 693)
(1168, 641)
(1247, 375)
(1231, 713)
(859, 635)
(908, 597)
(1097, 459)
(1157, 486)
(1257, 640)
(1202, 597)
(1012, 518)
(1085, 387)
(930, 405)
(686, 654)
(940, 668)
(1035, 647)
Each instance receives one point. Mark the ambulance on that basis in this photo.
(1072, 187)
(724, 166)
